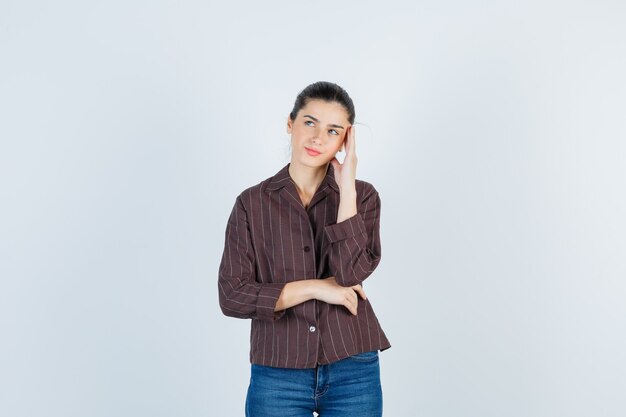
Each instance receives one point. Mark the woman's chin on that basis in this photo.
(316, 161)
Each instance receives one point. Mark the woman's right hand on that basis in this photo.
(332, 293)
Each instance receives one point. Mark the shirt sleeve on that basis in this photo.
(240, 294)
(355, 243)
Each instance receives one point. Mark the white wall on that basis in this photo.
(494, 132)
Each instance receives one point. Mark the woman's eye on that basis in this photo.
(308, 121)
(333, 130)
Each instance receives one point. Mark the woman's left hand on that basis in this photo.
(345, 174)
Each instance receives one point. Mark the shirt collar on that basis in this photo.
(282, 177)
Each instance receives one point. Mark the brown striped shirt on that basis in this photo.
(272, 239)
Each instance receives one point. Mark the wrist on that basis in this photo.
(313, 287)
(347, 206)
(347, 191)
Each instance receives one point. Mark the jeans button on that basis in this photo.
(312, 328)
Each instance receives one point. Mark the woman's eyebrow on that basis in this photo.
(331, 125)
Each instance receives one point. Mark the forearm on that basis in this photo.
(355, 239)
(296, 292)
(347, 204)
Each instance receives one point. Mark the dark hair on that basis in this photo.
(327, 91)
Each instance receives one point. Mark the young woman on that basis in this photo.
(298, 247)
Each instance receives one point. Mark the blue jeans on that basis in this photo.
(346, 388)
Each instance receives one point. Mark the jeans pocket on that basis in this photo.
(365, 356)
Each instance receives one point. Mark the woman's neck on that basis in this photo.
(307, 179)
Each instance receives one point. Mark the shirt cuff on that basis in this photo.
(345, 229)
(266, 301)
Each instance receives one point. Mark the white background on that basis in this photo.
(493, 131)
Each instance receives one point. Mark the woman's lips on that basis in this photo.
(312, 152)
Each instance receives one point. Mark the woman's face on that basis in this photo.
(319, 126)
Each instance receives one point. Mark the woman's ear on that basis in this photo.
(289, 125)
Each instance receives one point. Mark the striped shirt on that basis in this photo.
(272, 239)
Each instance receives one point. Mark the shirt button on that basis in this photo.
(306, 248)
(312, 328)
